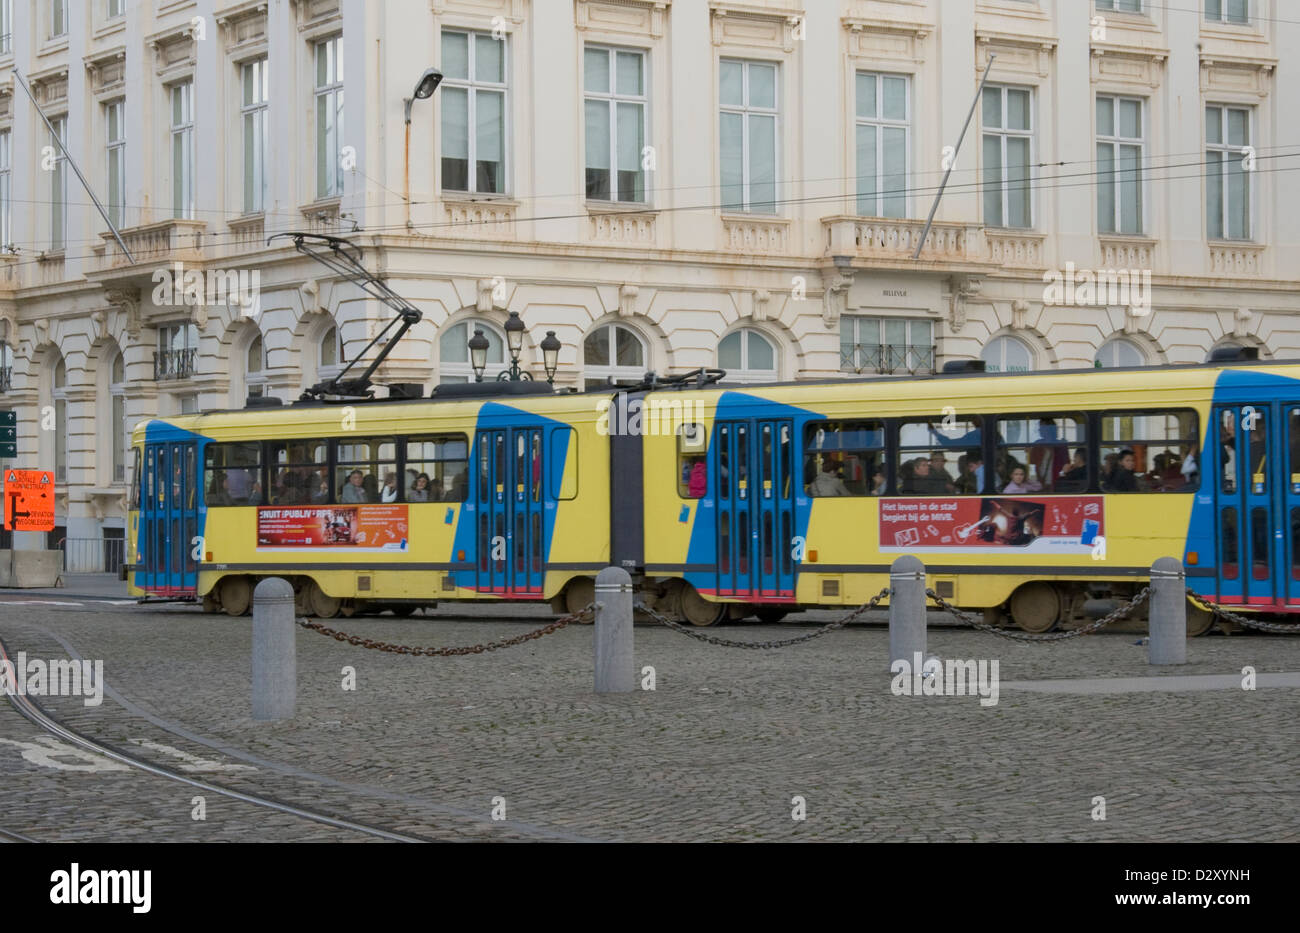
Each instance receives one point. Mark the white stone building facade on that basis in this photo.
(665, 184)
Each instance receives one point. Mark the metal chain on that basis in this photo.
(448, 652)
(972, 620)
(727, 643)
(1277, 628)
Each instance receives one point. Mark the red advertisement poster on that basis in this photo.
(1047, 524)
(358, 527)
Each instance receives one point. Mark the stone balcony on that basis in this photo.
(888, 242)
(151, 246)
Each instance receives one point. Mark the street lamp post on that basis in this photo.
(478, 349)
(424, 89)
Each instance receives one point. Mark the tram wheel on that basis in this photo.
(699, 611)
(578, 595)
(235, 595)
(770, 614)
(1036, 607)
(402, 611)
(1199, 620)
(323, 606)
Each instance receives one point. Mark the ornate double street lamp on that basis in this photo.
(478, 349)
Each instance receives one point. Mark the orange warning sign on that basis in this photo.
(29, 500)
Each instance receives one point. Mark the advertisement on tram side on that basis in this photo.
(357, 527)
(1050, 525)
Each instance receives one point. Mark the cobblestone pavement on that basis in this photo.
(716, 752)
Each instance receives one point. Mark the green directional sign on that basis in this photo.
(8, 434)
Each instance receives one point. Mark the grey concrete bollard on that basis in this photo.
(906, 610)
(275, 664)
(612, 644)
(1167, 641)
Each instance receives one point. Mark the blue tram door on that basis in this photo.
(1251, 545)
(511, 514)
(754, 466)
(169, 516)
(1290, 484)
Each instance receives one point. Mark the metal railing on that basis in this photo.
(887, 359)
(6, 378)
(92, 555)
(174, 364)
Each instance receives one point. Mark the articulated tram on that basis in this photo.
(1036, 497)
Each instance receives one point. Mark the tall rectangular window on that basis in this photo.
(59, 185)
(1008, 136)
(58, 18)
(882, 138)
(116, 8)
(6, 181)
(886, 344)
(329, 117)
(614, 86)
(182, 136)
(6, 26)
(1119, 164)
(253, 110)
(1228, 11)
(1227, 181)
(747, 93)
(473, 113)
(115, 160)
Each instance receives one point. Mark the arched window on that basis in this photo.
(329, 354)
(747, 356)
(60, 396)
(6, 367)
(255, 368)
(454, 364)
(1119, 351)
(1007, 355)
(612, 355)
(1233, 342)
(117, 415)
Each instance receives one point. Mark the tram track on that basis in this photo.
(539, 832)
(33, 712)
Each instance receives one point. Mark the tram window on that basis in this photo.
(437, 468)
(147, 482)
(692, 468)
(232, 474)
(940, 456)
(564, 454)
(1149, 451)
(1228, 450)
(1040, 453)
(1259, 542)
(366, 470)
(136, 479)
(1293, 425)
(299, 472)
(190, 476)
(535, 465)
(844, 458)
(1256, 430)
(1228, 562)
(1295, 544)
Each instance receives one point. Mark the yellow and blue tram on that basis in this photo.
(1035, 497)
